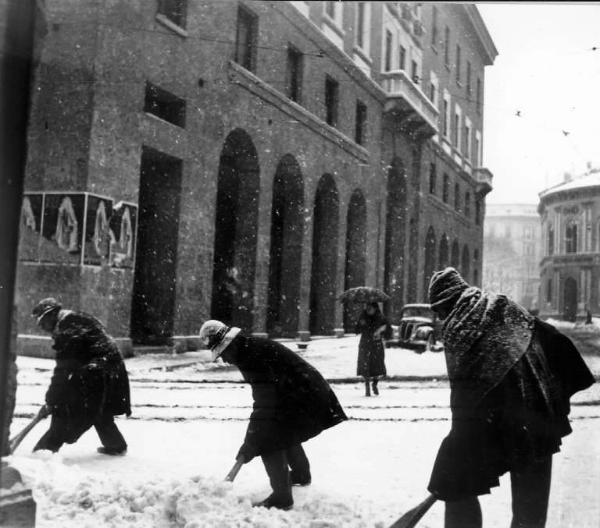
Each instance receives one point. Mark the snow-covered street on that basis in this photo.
(189, 419)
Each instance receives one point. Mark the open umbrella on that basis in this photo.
(363, 294)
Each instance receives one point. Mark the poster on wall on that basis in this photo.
(63, 224)
(123, 229)
(31, 227)
(97, 230)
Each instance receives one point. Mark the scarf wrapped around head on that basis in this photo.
(484, 336)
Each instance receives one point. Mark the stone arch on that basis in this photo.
(465, 266)
(444, 257)
(287, 228)
(395, 236)
(455, 255)
(356, 253)
(413, 261)
(236, 225)
(570, 299)
(324, 257)
(429, 261)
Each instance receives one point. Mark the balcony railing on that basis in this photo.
(484, 179)
(409, 103)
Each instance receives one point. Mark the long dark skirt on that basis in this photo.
(371, 358)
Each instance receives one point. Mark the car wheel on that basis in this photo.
(430, 344)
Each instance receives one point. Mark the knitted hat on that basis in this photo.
(44, 307)
(217, 335)
(445, 287)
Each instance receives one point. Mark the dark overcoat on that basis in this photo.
(89, 378)
(292, 401)
(516, 423)
(371, 351)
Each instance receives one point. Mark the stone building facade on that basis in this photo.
(455, 182)
(243, 160)
(570, 267)
(512, 252)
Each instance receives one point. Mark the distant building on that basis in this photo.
(512, 252)
(249, 160)
(570, 268)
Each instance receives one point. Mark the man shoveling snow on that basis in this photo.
(292, 403)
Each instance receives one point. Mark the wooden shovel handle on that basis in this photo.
(14, 442)
(234, 471)
(412, 517)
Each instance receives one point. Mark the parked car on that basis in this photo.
(419, 329)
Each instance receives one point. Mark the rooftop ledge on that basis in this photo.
(409, 103)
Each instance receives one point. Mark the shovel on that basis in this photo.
(412, 517)
(14, 442)
(234, 471)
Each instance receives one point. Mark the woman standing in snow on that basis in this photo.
(511, 377)
(371, 353)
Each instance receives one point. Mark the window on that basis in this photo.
(550, 240)
(331, 101)
(458, 65)
(467, 140)
(388, 50)
(432, 91)
(456, 130)
(401, 58)
(247, 31)
(360, 24)
(330, 9)
(478, 96)
(468, 204)
(432, 178)
(164, 105)
(456, 197)
(446, 115)
(447, 47)
(361, 123)
(414, 72)
(174, 10)
(477, 153)
(549, 290)
(468, 78)
(294, 74)
(478, 212)
(445, 188)
(434, 27)
(571, 238)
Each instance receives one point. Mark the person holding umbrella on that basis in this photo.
(371, 326)
(292, 403)
(511, 377)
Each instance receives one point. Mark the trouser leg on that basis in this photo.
(276, 466)
(464, 513)
(54, 437)
(367, 387)
(109, 434)
(375, 389)
(299, 464)
(530, 493)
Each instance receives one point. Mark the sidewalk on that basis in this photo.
(335, 358)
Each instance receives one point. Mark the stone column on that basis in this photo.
(17, 508)
(341, 266)
(306, 272)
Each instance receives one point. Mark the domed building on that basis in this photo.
(570, 266)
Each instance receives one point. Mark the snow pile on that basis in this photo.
(66, 497)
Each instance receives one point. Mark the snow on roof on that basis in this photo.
(589, 179)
